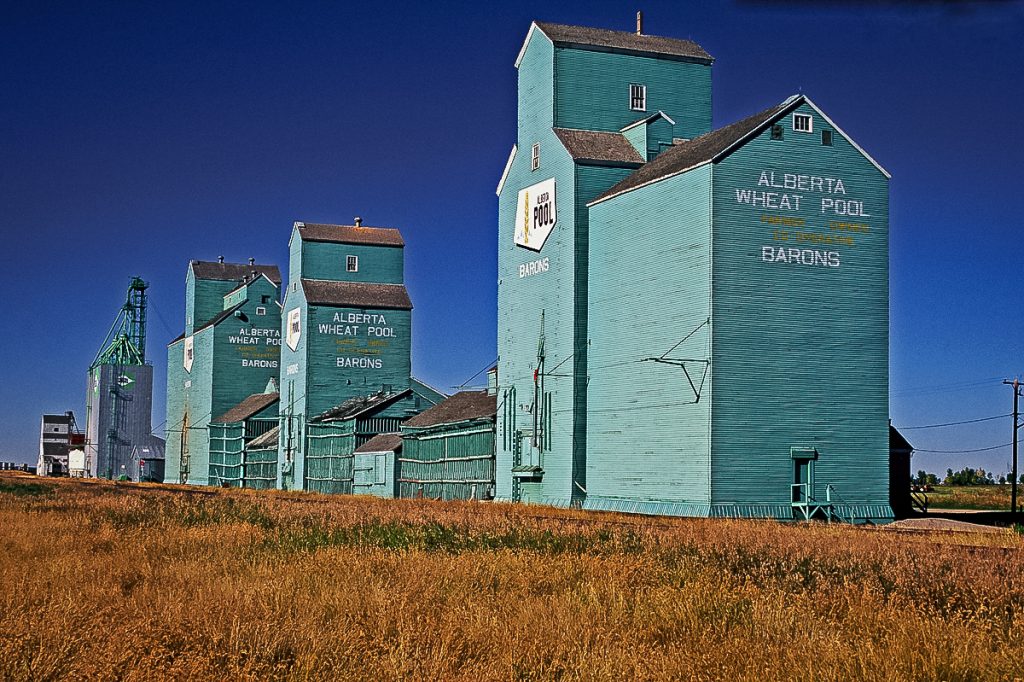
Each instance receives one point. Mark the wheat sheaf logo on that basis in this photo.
(535, 215)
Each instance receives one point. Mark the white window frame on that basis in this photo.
(351, 263)
(535, 156)
(260, 310)
(637, 94)
(802, 117)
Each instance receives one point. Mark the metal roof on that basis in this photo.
(356, 294)
(383, 442)
(589, 145)
(232, 272)
(625, 41)
(252, 405)
(350, 234)
(460, 407)
(353, 407)
(716, 145)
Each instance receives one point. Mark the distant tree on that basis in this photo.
(968, 476)
(1002, 479)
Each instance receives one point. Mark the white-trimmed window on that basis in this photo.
(802, 123)
(535, 156)
(260, 310)
(637, 97)
(352, 263)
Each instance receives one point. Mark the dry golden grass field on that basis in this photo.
(120, 581)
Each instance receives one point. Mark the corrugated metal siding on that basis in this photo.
(260, 471)
(112, 442)
(649, 438)
(227, 445)
(592, 91)
(800, 351)
(451, 463)
(329, 466)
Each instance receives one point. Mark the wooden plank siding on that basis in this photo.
(650, 438)
(800, 351)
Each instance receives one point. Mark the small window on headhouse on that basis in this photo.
(777, 132)
(260, 310)
(352, 263)
(535, 157)
(826, 138)
(802, 123)
(265, 300)
(637, 97)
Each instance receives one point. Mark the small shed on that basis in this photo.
(900, 451)
(448, 450)
(374, 466)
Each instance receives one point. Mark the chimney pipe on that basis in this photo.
(220, 259)
(358, 221)
(639, 23)
(252, 261)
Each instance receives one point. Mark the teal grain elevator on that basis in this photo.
(345, 361)
(230, 349)
(691, 321)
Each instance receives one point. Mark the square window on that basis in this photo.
(826, 138)
(802, 123)
(535, 157)
(776, 132)
(637, 97)
(265, 300)
(260, 310)
(352, 263)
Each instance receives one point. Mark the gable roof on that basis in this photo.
(714, 146)
(353, 407)
(382, 442)
(356, 294)
(620, 41)
(650, 119)
(460, 407)
(252, 405)
(589, 145)
(350, 234)
(232, 272)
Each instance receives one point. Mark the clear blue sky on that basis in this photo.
(137, 136)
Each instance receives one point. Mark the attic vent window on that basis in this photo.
(637, 97)
(535, 156)
(802, 123)
(352, 263)
(826, 138)
(260, 310)
(776, 132)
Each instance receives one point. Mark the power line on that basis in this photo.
(968, 421)
(945, 388)
(961, 452)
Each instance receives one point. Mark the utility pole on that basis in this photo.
(1016, 425)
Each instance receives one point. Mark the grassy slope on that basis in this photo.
(120, 581)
